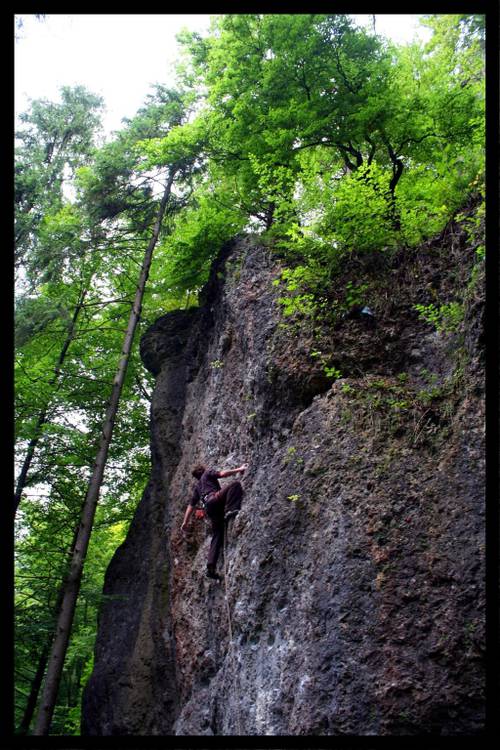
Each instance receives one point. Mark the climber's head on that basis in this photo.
(198, 471)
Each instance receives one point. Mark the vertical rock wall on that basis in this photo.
(354, 572)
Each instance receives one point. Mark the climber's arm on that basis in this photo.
(187, 516)
(189, 509)
(231, 472)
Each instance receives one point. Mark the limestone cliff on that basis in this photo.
(354, 574)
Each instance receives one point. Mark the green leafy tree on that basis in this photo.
(53, 140)
(55, 246)
(280, 87)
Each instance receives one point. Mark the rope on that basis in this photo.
(230, 627)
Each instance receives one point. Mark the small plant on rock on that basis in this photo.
(445, 318)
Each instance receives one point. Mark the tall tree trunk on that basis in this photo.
(44, 656)
(34, 690)
(65, 619)
(42, 417)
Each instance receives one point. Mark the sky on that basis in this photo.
(120, 56)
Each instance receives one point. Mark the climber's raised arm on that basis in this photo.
(231, 472)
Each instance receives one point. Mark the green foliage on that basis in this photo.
(299, 304)
(180, 143)
(355, 293)
(446, 317)
(293, 458)
(302, 285)
(54, 140)
(337, 142)
(332, 372)
(40, 564)
(358, 215)
(474, 225)
(185, 255)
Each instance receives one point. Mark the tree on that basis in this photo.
(41, 419)
(281, 85)
(180, 161)
(42, 655)
(59, 396)
(54, 140)
(38, 569)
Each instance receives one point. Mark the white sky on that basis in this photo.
(119, 56)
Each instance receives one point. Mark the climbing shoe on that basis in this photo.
(212, 574)
(230, 514)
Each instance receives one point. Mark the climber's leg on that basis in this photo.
(226, 501)
(234, 494)
(215, 511)
(212, 574)
(233, 501)
(216, 543)
(221, 506)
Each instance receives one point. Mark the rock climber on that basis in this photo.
(219, 504)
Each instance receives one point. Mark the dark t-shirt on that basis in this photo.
(208, 482)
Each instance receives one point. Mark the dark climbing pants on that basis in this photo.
(219, 503)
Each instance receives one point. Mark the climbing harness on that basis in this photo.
(201, 513)
(203, 503)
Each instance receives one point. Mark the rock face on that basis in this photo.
(353, 601)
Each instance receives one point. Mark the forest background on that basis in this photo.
(323, 137)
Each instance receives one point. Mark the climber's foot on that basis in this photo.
(230, 514)
(212, 574)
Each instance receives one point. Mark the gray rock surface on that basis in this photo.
(354, 588)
